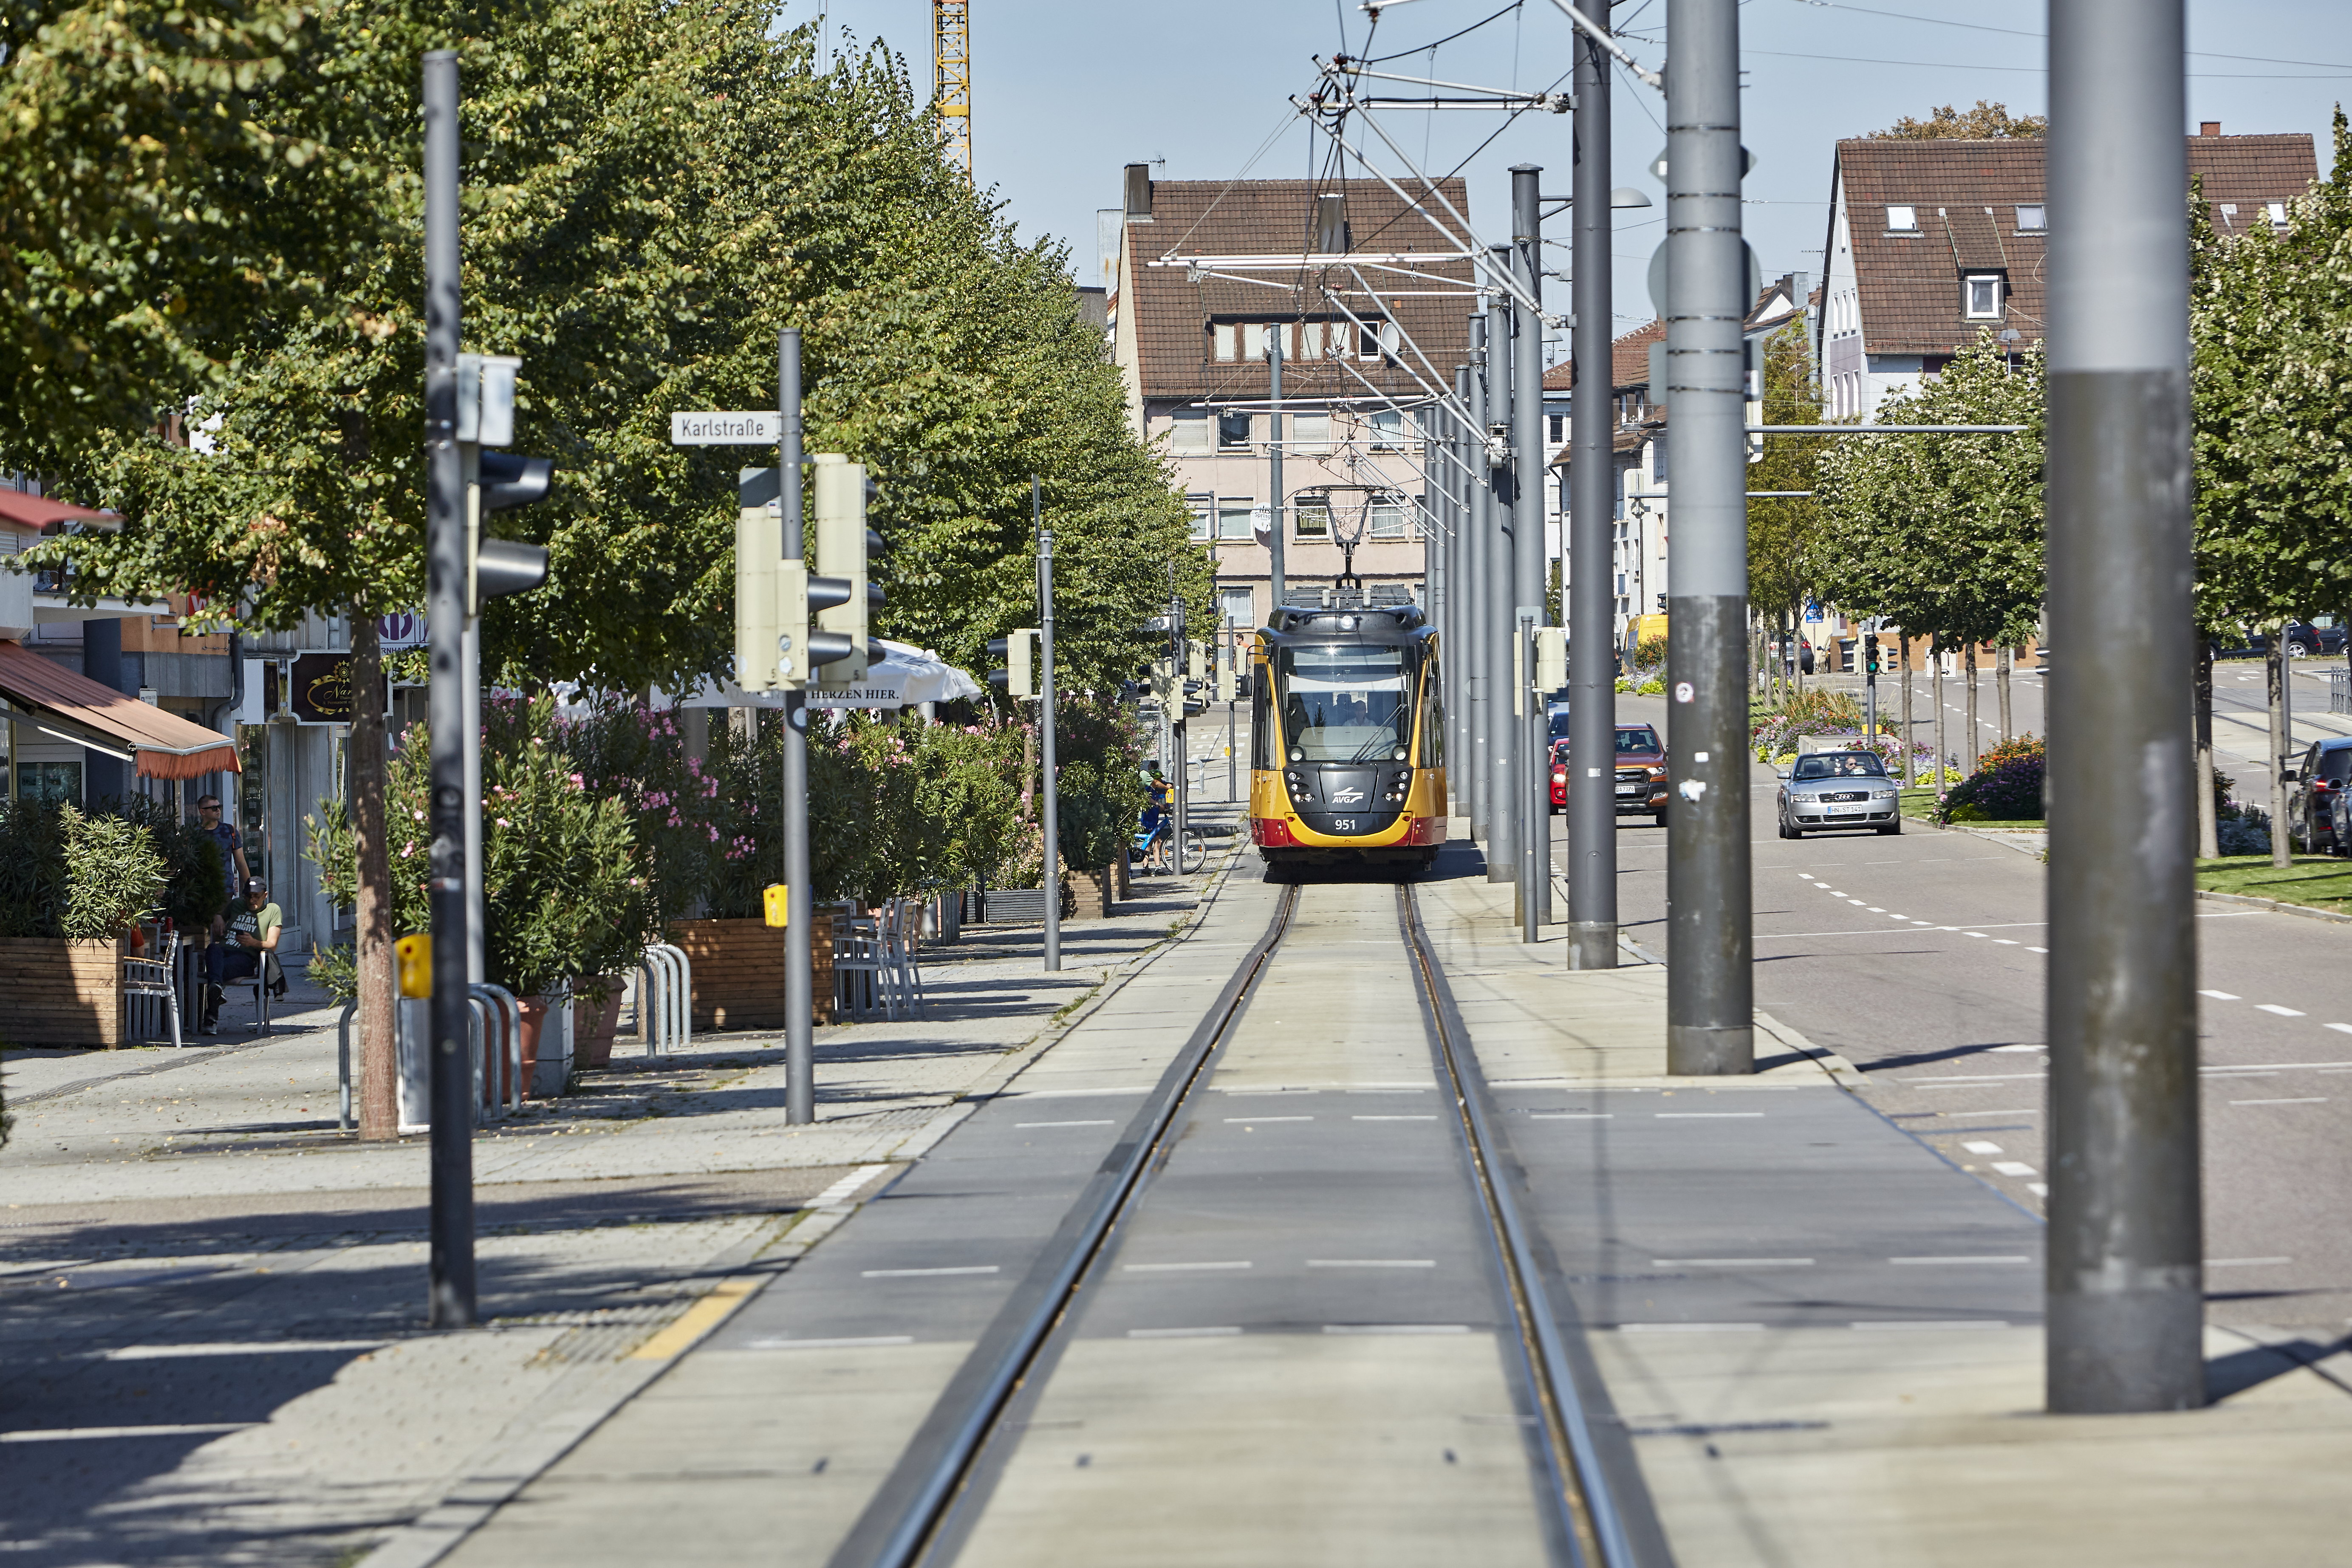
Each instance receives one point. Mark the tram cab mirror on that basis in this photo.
(1298, 756)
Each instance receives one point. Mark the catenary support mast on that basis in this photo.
(1591, 666)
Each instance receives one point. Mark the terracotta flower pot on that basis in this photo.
(594, 1025)
(535, 1016)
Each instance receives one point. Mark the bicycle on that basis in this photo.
(1191, 855)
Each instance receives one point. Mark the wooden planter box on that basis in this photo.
(739, 971)
(1100, 892)
(53, 991)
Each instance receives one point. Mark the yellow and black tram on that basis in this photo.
(1347, 737)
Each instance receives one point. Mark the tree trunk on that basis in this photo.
(2208, 826)
(1910, 736)
(1943, 748)
(2004, 662)
(379, 1052)
(1028, 774)
(1970, 751)
(2275, 668)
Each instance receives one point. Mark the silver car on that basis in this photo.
(1838, 790)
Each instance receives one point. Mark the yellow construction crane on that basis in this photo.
(951, 78)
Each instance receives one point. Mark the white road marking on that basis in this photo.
(2003, 1257)
(1221, 1332)
(2037, 950)
(1877, 910)
(1396, 1328)
(2001, 940)
(2220, 996)
(77, 1434)
(1372, 1263)
(243, 1347)
(2274, 1007)
(2309, 1099)
(831, 1344)
(1180, 1267)
(2340, 1029)
(924, 1273)
(1702, 1115)
(2013, 1168)
(2014, 1049)
(841, 1190)
(1105, 1122)
(1977, 934)
(1979, 1146)
(1731, 1263)
(2035, 1112)
(2038, 1189)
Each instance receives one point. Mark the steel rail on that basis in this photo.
(1588, 1512)
(915, 1505)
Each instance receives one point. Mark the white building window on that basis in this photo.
(1237, 606)
(2033, 219)
(2278, 212)
(1387, 520)
(1982, 297)
(1310, 340)
(1384, 427)
(1309, 433)
(1902, 220)
(1312, 516)
(1233, 432)
(1234, 520)
(1222, 336)
(1253, 340)
(1189, 431)
(1204, 517)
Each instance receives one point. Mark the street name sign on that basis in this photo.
(726, 428)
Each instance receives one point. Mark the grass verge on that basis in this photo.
(2322, 881)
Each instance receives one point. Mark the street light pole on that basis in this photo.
(1462, 757)
(800, 956)
(1531, 782)
(1592, 664)
(1502, 734)
(1710, 1001)
(451, 1277)
(2126, 1305)
(1274, 472)
(1479, 599)
(1048, 800)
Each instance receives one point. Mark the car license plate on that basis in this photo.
(1629, 789)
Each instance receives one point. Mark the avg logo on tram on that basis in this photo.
(1347, 737)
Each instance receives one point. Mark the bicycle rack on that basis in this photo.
(500, 1002)
(344, 1063)
(665, 1005)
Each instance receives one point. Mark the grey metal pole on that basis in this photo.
(1529, 535)
(1462, 654)
(1274, 531)
(1476, 641)
(799, 924)
(450, 1288)
(1531, 872)
(2125, 1260)
(1592, 815)
(1047, 722)
(1503, 810)
(1710, 1000)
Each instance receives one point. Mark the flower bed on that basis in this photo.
(2006, 786)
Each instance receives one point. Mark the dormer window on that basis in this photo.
(1902, 220)
(2033, 220)
(2277, 211)
(1980, 296)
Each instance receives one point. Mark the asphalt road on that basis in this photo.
(1919, 959)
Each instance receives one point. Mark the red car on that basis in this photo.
(1641, 773)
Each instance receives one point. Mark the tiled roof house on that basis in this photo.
(1931, 241)
(1189, 337)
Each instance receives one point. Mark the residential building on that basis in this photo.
(1369, 299)
(1932, 241)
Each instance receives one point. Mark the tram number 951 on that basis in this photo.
(1344, 824)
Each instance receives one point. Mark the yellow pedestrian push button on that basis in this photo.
(413, 955)
(777, 899)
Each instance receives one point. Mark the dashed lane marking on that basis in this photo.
(2274, 1007)
(1979, 1146)
(2222, 995)
(2014, 1168)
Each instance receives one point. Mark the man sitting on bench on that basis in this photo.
(250, 927)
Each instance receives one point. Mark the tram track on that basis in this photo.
(933, 1499)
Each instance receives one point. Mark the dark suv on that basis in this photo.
(2323, 636)
(2319, 809)
(1640, 780)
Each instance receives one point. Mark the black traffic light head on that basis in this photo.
(507, 566)
(511, 480)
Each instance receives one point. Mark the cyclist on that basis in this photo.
(1157, 823)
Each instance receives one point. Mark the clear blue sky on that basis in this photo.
(1065, 93)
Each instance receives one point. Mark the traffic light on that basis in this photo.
(496, 481)
(1163, 682)
(844, 547)
(800, 648)
(1225, 683)
(758, 549)
(1870, 652)
(1018, 675)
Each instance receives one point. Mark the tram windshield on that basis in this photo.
(1345, 703)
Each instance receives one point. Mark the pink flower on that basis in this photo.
(408, 850)
(502, 822)
(714, 836)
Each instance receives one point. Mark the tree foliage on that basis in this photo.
(1986, 121)
(1781, 531)
(1942, 534)
(651, 192)
(2270, 322)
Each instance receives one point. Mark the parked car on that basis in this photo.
(1831, 790)
(1641, 783)
(2319, 806)
(2322, 634)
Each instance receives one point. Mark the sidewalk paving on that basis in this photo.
(211, 1300)
(1820, 1338)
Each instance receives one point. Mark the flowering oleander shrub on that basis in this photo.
(2006, 786)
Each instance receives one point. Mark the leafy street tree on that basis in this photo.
(2271, 323)
(1942, 534)
(1781, 531)
(1986, 121)
(652, 193)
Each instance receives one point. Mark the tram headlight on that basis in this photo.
(1298, 756)
(1397, 754)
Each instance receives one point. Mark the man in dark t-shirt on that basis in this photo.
(244, 937)
(233, 870)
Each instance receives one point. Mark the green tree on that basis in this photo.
(1986, 121)
(1781, 531)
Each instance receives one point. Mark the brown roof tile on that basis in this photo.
(1629, 361)
(1255, 218)
(1910, 284)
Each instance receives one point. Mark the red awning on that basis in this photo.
(37, 513)
(77, 708)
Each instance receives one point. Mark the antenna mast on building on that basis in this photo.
(951, 78)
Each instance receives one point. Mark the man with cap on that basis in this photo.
(244, 936)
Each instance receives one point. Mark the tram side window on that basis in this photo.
(1347, 702)
(1432, 717)
(1265, 744)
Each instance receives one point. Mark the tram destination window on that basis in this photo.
(1345, 703)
